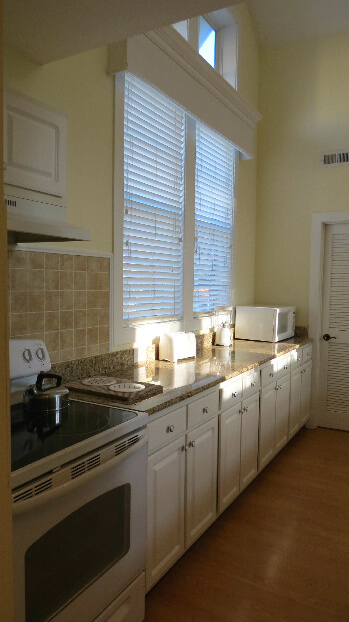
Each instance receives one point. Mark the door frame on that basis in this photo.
(317, 256)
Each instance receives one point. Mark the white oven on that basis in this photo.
(79, 478)
(79, 543)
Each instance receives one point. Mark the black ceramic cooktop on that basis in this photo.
(35, 436)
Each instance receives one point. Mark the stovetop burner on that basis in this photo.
(41, 435)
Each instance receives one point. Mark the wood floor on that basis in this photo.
(279, 553)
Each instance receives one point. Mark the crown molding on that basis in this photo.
(179, 50)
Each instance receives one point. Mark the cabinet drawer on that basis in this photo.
(283, 365)
(166, 429)
(250, 384)
(296, 358)
(202, 409)
(269, 372)
(231, 393)
(306, 354)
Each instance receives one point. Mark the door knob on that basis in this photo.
(327, 337)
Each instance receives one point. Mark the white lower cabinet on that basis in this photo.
(187, 455)
(201, 493)
(274, 416)
(305, 393)
(165, 529)
(300, 398)
(182, 492)
(229, 456)
(249, 440)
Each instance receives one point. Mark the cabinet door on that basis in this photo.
(305, 393)
(282, 411)
(249, 440)
(201, 479)
(267, 425)
(165, 541)
(229, 456)
(295, 402)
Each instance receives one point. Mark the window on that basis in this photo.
(214, 176)
(154, 142)
(166, 151)
(207, 41)
(182, 28)
(214, 37)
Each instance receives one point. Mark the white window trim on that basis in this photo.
(144, 334)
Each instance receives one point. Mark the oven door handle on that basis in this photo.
(51, 494)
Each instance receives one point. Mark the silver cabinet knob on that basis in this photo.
(285, 366)
(193, 443)
(271, 375)
(184, 448)
(234, 394)
(170, 428)
(205, 409)
(240, 411)
(304, 371)
(280, 387)
(245, 409)
(253, 384)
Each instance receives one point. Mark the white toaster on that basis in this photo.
(174, 346)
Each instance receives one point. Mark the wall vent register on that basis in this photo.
(335, 158)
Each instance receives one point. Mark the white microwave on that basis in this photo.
(265, 323)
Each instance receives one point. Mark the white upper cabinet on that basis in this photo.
(35, 143)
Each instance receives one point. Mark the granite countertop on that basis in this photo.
(186, 378)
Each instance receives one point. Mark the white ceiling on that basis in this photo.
(52, 29)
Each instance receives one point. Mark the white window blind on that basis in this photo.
(213, 220)
(154, 151)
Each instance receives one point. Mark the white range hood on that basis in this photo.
(52, 227)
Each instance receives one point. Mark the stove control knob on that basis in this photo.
(27, 355)
(40, 354)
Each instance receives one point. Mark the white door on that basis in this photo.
(249, 440)
(267, 424)
(282, 412)
(335, 328)
(201, 479)
(229, 456)
(165, 542)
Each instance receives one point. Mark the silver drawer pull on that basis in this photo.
(253, 384)
(170, 428)
(271, 375)
(205, 410)
(234, 394)
(192, 443)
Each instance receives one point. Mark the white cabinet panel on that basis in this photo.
(165, 541)
(201, 479)
(295, 402)
(249, 440)
(229, 456)
(267, 424)
(35, 139)
(282, 411)
(305, 393)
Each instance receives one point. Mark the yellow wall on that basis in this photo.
(246, 179)
(304, 95)
(79, 87)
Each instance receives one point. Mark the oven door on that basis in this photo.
(79, 542)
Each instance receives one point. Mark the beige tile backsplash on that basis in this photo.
(63, 299)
